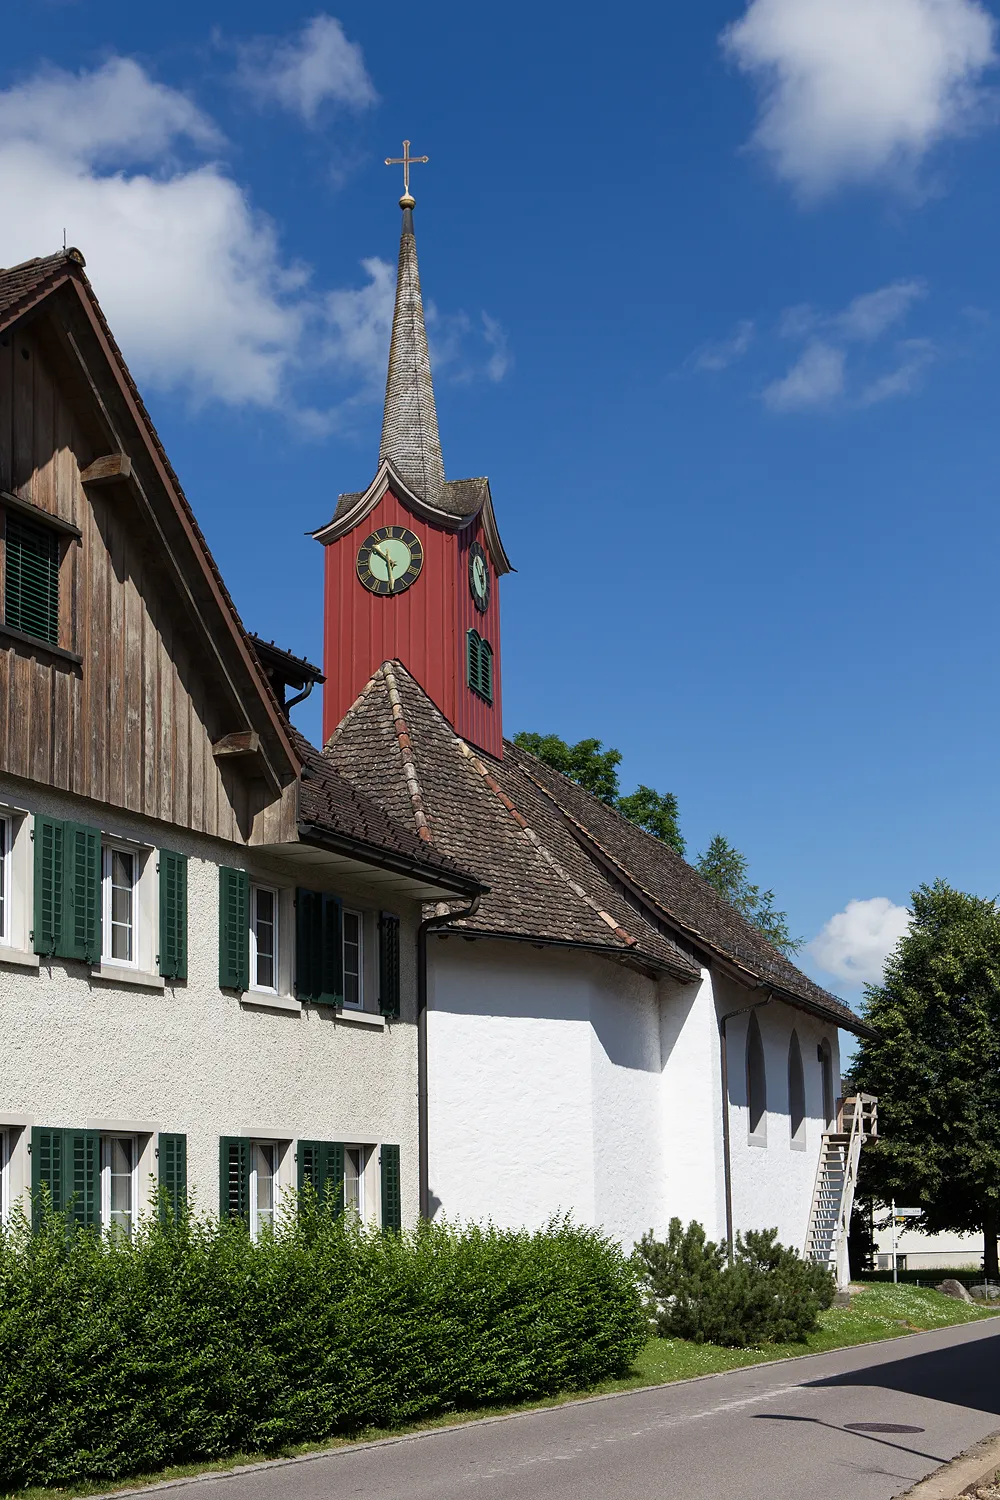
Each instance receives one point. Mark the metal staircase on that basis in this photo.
(836, 1179)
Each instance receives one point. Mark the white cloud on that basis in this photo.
(318, 65)
(855, 943)
(870, 315)
(856, 89)
(714, 357)
(914, 357)
(816, 379)
(193, 278)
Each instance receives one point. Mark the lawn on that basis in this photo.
(880, 1311)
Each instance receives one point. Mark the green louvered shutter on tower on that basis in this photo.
(172, 1163)
(234, 929)
(321, 1163)
(319, 948)
(46, 1170)
(388, 964)
(81, 915)
(31, 579)
(472, 659)
(172, 959)
(392, 1198)
(234, 1178)
(486, 671)
(48, 854)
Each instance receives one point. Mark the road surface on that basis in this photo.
(791, 1431)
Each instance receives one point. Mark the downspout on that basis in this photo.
(301, 698)
(441, 920)
(727, 1161)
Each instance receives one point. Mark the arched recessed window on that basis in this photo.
(756, 1084)
(796, 1093)
(826, 1063)
(479, 665)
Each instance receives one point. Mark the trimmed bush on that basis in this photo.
(192, 1343)
(769, 1295)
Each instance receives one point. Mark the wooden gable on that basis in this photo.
(146, 681)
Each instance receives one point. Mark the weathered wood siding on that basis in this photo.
(133, 724)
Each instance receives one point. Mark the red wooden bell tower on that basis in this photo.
(413, 562)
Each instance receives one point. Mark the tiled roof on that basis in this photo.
(330, 804)
(410, 439)
(542, 885)
(562, 866)
(461, 498)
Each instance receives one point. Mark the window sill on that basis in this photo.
(360, 1017)
(261, 1000)
(798, 1145)
(757, 1140)
(20, 638)
(118, 974)
(18, 956)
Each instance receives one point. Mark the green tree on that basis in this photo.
(934, 1063)
(656, 812)
(725, 868)
(586, 762)
(591, 766)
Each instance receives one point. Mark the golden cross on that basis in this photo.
(405, 161)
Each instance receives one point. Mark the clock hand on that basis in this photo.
(388, 563)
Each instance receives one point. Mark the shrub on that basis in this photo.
(768, 1295)
(192, 1343)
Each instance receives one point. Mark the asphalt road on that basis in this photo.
(787, 1432)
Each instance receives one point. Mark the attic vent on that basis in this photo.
(479, 666)
(31, 580)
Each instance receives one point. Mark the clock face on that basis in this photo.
(390, 560)
(479, 577)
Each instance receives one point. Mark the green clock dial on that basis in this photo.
(479, 577)
(390, 560)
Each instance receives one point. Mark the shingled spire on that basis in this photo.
(410, 438)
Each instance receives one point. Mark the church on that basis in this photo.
(599, 1033)
(416, 966)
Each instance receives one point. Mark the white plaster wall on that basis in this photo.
(773, 1184)
(193, 1058)
(692, 1107)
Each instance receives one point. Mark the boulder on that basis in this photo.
(985, 1293)
(952, 1288)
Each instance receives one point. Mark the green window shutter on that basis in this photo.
(392, 1199)
(472, 659)
(82, 1167)
(81, 914)
(234, 1178)
(486, 671)
(322, 1164)
(47, 1169)
(31, 579)
(172, 1163)
(234, 929)
(388, 964)
(49, 849)
(319, 948)
(172, 959)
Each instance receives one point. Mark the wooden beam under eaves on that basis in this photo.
(242, 745)
(104, 470)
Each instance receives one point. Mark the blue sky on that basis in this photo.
(714, 304)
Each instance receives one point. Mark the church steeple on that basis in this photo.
(410, 439)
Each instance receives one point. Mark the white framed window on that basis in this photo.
(120, 887)
(355, 1163)
(354, 960)
(263, 1184)
(119, 1183)
(264, 938)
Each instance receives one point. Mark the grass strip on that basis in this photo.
(878, 1311)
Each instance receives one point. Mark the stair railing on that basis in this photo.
(858, 1122)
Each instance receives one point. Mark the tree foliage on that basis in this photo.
(934, 1063)
(725, 869)
(769, 1294)
(596, 769)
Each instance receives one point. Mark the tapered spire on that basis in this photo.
(410, 438)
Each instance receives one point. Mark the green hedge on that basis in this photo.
(191, 1343)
